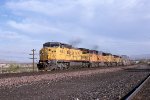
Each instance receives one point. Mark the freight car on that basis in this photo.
(56, 55)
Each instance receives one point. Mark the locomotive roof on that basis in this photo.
(93, 51)
(117, 56)
(124, 56)
(49, 44)
(83, 49)
(106, 54)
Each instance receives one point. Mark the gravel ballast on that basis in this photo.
(52, 76)
(111, 83)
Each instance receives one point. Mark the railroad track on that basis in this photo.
(8, 75)
(136, 90)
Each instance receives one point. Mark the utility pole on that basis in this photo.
(2, 69)
(33, 57)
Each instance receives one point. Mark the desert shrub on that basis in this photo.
(13, 68)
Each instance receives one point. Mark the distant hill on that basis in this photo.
(11, 62)
(142, 56)
(5, 61)
(2, 61)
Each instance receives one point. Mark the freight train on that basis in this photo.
(56, 55)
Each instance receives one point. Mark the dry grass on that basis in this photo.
(16, 68)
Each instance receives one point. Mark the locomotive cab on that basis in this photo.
(48, 54)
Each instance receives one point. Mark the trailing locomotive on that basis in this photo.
(56, 55)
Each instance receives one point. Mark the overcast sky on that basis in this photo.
(116, 26)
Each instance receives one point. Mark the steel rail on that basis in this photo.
(136, 90)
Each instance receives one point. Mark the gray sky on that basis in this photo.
(116, 26)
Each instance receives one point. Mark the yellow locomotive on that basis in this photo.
(56, 55)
